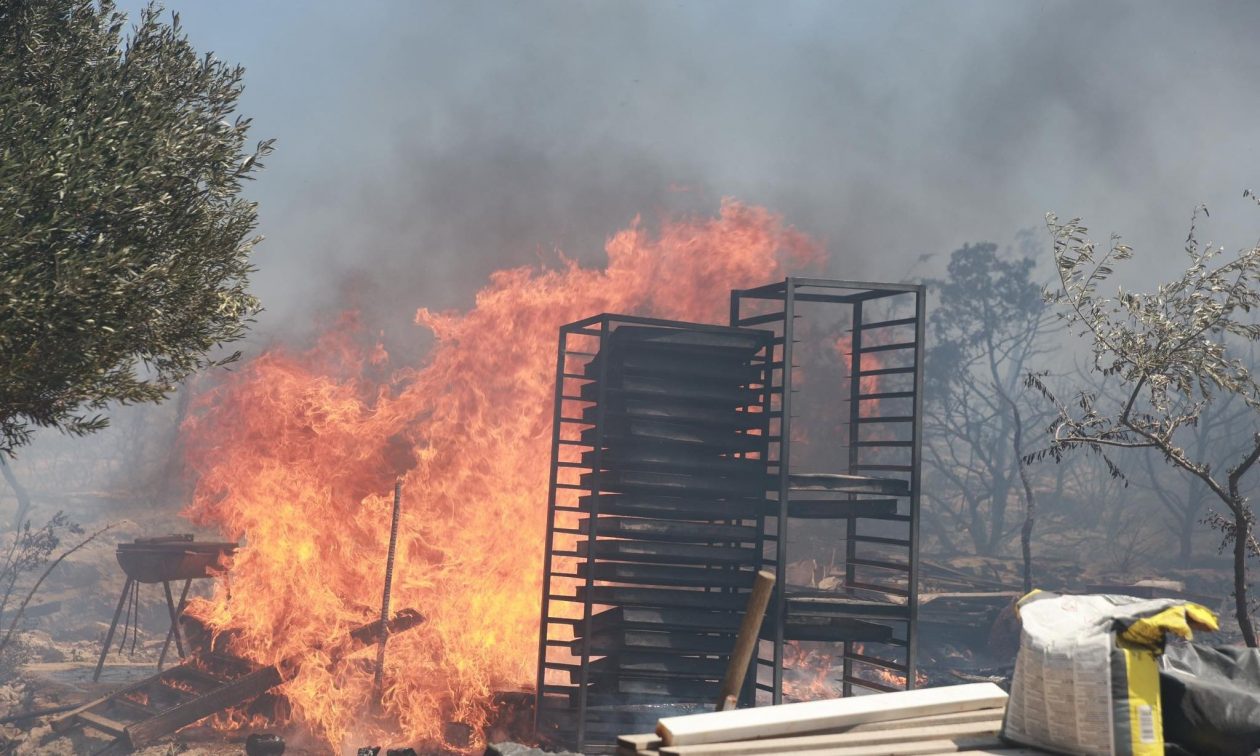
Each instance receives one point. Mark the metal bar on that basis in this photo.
(861, 683)
(379, 681)
(549, 546)
(895, 591)
(855, 416)
(113, 625)
(880, 564)
(755, 320)
(748, 695)
(174, 631)
(891, 347)
(170, 608)
(875, 661)
(777, 287)
(880, 539)
(916, 463)
(785, 462)
(584, 655)
(827, 283)
(889, 323)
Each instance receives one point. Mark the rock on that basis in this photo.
(516, 749)
(41, 646)
(830, 583)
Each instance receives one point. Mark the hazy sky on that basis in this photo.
(422, 144)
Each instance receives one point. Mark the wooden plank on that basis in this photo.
(814, 742)
(746, 640)
(230, 693)
(1007, 751)
(256, 683)
(652, 741)
(639, 742)
(68, 721)
(993, 714)
(102, 723)
(902, 749)
(770, 721)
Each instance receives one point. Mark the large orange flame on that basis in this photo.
(297, 454)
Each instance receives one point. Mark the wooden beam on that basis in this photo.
(814, 742)
(650, 742)
(906, 749)
(746, 640)
(644, 741)
(138, 733)
(102, 723)
(787, 719)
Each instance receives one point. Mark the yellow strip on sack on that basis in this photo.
(1145, 719)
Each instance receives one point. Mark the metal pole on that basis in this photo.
(855, 435)
(379, 683)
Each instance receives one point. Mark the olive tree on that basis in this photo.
(1175, 353)
(125, 242)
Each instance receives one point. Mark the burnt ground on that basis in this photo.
(968, 629)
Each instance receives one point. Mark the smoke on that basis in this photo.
(423, 145)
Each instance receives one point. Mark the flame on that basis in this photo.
(867, 384)
(809, 672)
(298, 451)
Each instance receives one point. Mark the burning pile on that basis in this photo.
(297, 453)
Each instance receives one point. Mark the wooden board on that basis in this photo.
(152, 713)
(909, 749)
(814, 742)
(770, 721)
(650, 741)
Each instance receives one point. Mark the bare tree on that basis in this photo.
(1174, 353)
(1185, 497)
(988, 326)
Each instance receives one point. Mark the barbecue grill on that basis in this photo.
(163, 559)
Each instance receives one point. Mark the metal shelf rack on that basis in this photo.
(867, 444)
(658, 495)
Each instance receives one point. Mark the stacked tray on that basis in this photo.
(674, 485)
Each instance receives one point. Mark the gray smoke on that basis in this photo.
(422, 145)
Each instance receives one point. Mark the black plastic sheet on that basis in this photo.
(1211, 698)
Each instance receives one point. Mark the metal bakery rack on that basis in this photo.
(845, 454)
(658, 490)
(685, 457)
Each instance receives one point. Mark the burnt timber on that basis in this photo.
(205, 684)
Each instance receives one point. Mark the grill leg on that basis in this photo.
(170, 607)
(113, 625)
(174, 631)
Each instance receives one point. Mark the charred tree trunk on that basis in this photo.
(1242, 534)
(1242, 539)
(1185, 539)
(23, 496)
(1243, 543)
(1030, 501)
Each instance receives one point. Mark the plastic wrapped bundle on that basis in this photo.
(1087, 674)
